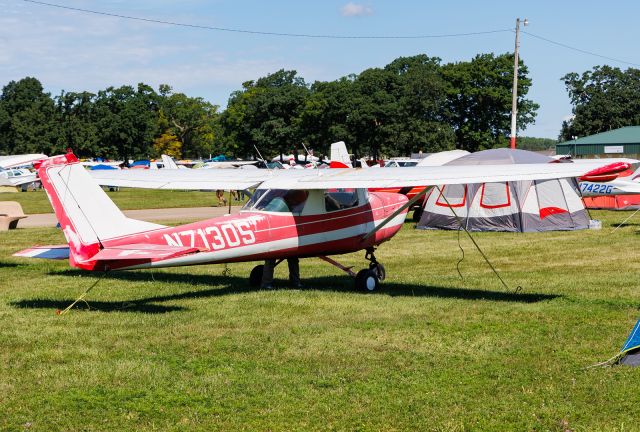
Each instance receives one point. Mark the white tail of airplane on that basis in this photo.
(86, 214)
(340, 156)
(168, 162)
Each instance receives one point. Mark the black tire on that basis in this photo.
(417, 214)
(367, 280)
(379, 270)
(255, 278)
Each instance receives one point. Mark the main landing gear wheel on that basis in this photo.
(367, 280)
(255, 278)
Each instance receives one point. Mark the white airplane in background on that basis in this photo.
(17, 177)
(606, 185)
(340, 157)
(12, 175)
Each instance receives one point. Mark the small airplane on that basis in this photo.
(17, 177)
(294, 213)
(11, 173)
(605, 185)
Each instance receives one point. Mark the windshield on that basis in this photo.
(278, 200)
(396, 163)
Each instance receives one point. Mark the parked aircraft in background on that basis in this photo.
(11, 173)
(594, 186)
(17, 177)
(301, 213)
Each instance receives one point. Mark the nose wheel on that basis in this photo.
(368, 280)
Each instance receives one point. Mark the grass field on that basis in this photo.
(127, 199)
(193, 349)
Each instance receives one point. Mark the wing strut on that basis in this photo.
(396, 213)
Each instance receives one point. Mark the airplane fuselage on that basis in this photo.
(258, 235)
(614, 187)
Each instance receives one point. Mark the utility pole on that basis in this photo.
(514, 92)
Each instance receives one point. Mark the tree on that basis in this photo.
(168, 144)
(323, 117)
(77, 123)
(420, 122)
(603, 99)
(375, 109)
(266, 113)
(27, 118)
(127, 121)
(536, 144)
(479, 100)
(191, 120)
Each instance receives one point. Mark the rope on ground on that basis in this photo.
(504, 284)
(625, 221)
(462, 251)
(81, 297)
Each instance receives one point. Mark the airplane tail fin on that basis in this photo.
(86, 214)
(168, 162)
(339, 156)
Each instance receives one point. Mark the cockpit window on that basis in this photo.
(401, 164)
(278, 200)
(340, 199)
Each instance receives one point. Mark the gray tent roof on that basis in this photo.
(501, 156)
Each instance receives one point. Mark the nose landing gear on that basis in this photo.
(368, 280)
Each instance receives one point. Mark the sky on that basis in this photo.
(75, 51)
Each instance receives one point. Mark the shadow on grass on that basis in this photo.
(4, 264)
(139, 306)
(230, 285)
(625, 225)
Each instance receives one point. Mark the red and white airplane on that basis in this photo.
(301, 213)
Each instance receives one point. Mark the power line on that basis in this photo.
(580, 50)
(264, 33)
(322, 36)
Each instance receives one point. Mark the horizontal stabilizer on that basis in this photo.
(141, 252)
(56, 252)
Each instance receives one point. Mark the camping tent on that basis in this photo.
(522, 206)
(629, 355)
(441, 158)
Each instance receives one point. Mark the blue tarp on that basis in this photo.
(102, 167)
(143, 162)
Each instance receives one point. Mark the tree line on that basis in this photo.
(412, 104)
(603, 98)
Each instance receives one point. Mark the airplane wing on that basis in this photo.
(194, 179)
(628, 187)
(342, 178)
(19, 160)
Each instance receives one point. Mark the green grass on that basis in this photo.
(192, 349)
(127, 199)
